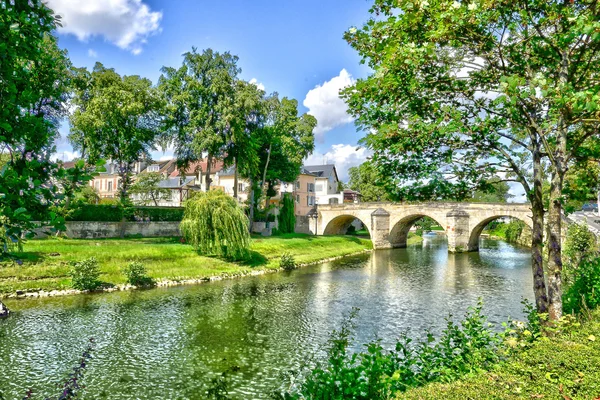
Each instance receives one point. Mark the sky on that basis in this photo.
(293, 48)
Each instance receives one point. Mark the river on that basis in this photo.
(168, 343)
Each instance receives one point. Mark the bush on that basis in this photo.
(287, 262)
(158, 214)
(287, 218)
(513, 230)
(84, 274)
(580, 242)
(214, 224)
(115, 213)
(93, 212)
(135, 272)
(583, 290)
(376, 373)
(351, 230)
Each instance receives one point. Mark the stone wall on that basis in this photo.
(103, 230)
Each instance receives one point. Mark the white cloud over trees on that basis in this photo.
(325, 104)
(125, 23)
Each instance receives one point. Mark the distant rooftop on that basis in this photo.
(322, 171)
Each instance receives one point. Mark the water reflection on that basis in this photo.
(169, 343)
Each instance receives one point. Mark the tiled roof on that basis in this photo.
(201, 165)
(322, 171)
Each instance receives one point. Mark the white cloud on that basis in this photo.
(325, 104)
(125, 23)
(344, 156)
(258, 84)
(66, 155)
(92, 53)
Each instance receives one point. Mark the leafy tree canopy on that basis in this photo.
(34, 87)
(146, 188)
(366, 180)
(117, 118)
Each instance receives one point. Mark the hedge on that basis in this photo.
(113, 213)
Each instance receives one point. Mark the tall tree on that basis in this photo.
(282, 144)
(366, 180)
(200, 99)
(34, 87)
(147, 188)
(497, 193)
(464, 91)
(117, 118)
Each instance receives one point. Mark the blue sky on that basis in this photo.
(293, 48)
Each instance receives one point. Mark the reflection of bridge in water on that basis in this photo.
(389, 223)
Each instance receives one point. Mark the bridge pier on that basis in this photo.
(380, 229)
(458, 231)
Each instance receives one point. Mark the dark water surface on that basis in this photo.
(168, 343)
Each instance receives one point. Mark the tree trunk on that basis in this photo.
(235, 179)
(123, 195)
(208, 167)
(251, 212)
(537, 238)
(554, 226)
(264, 177)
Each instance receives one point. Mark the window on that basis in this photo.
(333, 200)
(311, 200)
(319, 187)
(240, 187)
(109, 187)
(297, 184)
(153, 168)
(310, 187)
(298, 198)
(97, 183)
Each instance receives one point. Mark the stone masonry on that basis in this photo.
(389, 223)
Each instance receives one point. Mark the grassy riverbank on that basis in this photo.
(563, 367)
(45, 263)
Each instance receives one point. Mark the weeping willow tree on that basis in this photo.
(215, 225)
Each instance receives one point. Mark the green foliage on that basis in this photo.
(580, 243)
(496, 191)
(367, 180)
(85, 274)
(424, 225)
(583, 285)
(376, 373)
(117, 118)
(34, 88)
(87, 195)
(158, 214)
(287, 262)
(287, 218)
(99, 212)
(216, 225)
(514, 229)
(136, 274)
(146, 188)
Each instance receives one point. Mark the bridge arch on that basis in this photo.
(339, 225)
(400, 228)
(479, 226)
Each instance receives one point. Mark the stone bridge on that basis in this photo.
(389, 223)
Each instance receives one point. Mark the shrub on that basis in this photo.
(583, 289)
(84, 274)
(287, 218)
(376, 373)
(135, 272)
(580, 242)
(93, 212)
(513, 230)
(158, 214)
(351, 230)
(287, 262)
(214, 224)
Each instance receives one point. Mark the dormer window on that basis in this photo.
(153, 168)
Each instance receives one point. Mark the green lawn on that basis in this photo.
(563, 367)
(46, 262)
